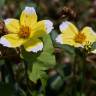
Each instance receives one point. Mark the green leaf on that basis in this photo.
(43, 62)
(35, 73)
(46, 60)
(44, 82)
(48, 46)
(39, 62)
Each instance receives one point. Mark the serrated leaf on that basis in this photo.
(48, 46)
(46, 59)
(40, 62)
(43, 62)
(35, 73)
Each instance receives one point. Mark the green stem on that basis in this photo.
(74, 89)
(83, 73)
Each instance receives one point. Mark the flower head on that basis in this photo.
(72, 36)
(26, 31)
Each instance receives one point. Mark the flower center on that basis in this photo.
(80, 38)
(24, 32)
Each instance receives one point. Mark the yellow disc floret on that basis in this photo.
(80, 38)
(24, 32)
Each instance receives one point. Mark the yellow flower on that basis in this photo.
(27, 31)
(72, 36)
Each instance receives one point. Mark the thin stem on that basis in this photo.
(83, 73)
(74, 89)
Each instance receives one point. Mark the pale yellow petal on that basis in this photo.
(11, 40)
(64, 40)
(68, 29)
(33, 45)
(28, 17)
(41, 28)
(90, 35)
(12, 25)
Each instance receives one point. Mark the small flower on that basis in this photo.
(27, 31)
(72, 36)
